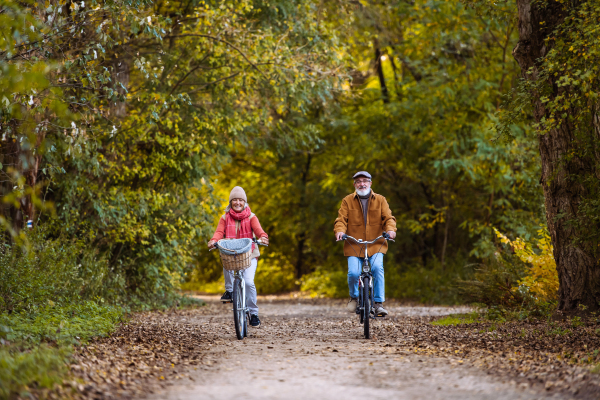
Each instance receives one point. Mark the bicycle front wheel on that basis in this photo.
(366, 311)
(239, 314)
(360, 302)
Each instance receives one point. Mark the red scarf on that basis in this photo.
(245, 230)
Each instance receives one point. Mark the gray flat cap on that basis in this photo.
(362, 173)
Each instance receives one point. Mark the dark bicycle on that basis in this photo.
(365, 283)
(236, 257)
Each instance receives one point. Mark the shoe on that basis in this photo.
(379, 310)
(226, 298)
(352, 304)
(254, 321)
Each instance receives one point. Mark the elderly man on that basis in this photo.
(365, 215)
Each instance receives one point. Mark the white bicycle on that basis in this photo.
(236, 257)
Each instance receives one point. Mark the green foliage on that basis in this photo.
(495, 283)
(456, 319)
(429, 284)
(70, 324)
(51, 271)
(427, 139)
(131, 114)
(41, 367)
(324, 283)
(37, 344)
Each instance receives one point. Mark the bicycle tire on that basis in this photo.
(360, 303)
(367, 307)
(246, 325)
(239, 315)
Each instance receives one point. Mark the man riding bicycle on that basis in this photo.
(364, 215)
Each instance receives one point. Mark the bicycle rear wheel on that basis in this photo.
(239, 315)
(366, 306)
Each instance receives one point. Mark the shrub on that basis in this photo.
(542, 277)
(496, 283)
(323, 283)
(30, 276)
(525, 280)
(40, 367)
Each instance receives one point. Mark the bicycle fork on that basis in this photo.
(361, 285)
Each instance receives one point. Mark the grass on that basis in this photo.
(457, 319)
(37, 344)
(41, 367)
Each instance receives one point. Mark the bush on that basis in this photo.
(41, 367)
(58, 270)
(73, 323)
(515, 285)
(429, 284)
(46, 270)
(542, 277)
(37, 345)
(322, 283)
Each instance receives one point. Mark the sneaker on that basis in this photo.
(352, 304)
(226, 297)
(379, 310)
(254, 321)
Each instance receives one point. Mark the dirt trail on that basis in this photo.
(315, 350)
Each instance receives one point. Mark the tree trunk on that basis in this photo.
(379, 68)
(121, 81)
(578, 268)
(302, 206)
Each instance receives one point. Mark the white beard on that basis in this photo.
(363, 192)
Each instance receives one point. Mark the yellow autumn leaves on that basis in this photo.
(542, 279)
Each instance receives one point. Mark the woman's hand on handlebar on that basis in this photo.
(211, 244)
(263, 240)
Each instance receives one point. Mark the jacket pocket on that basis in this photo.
(374, 217)
(355, 217)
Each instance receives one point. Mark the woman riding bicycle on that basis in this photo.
(240, 222)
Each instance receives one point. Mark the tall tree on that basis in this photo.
(557, 53)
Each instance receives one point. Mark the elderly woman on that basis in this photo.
(239, 222)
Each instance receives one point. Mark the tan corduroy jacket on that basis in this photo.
(351, 221)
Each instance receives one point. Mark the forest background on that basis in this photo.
(126, 123)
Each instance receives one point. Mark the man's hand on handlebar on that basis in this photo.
(339, 236)
(391, 234)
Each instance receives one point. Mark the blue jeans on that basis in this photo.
(355, 269)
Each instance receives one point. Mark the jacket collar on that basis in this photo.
(372, 194)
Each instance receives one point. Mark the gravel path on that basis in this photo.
(314, 350)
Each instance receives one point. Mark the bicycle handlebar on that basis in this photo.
(257, 241)
(384, 235)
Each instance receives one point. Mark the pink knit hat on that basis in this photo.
(237, 193)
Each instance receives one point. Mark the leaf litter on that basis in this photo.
(155, 350)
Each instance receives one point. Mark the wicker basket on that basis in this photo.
(236, 254)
